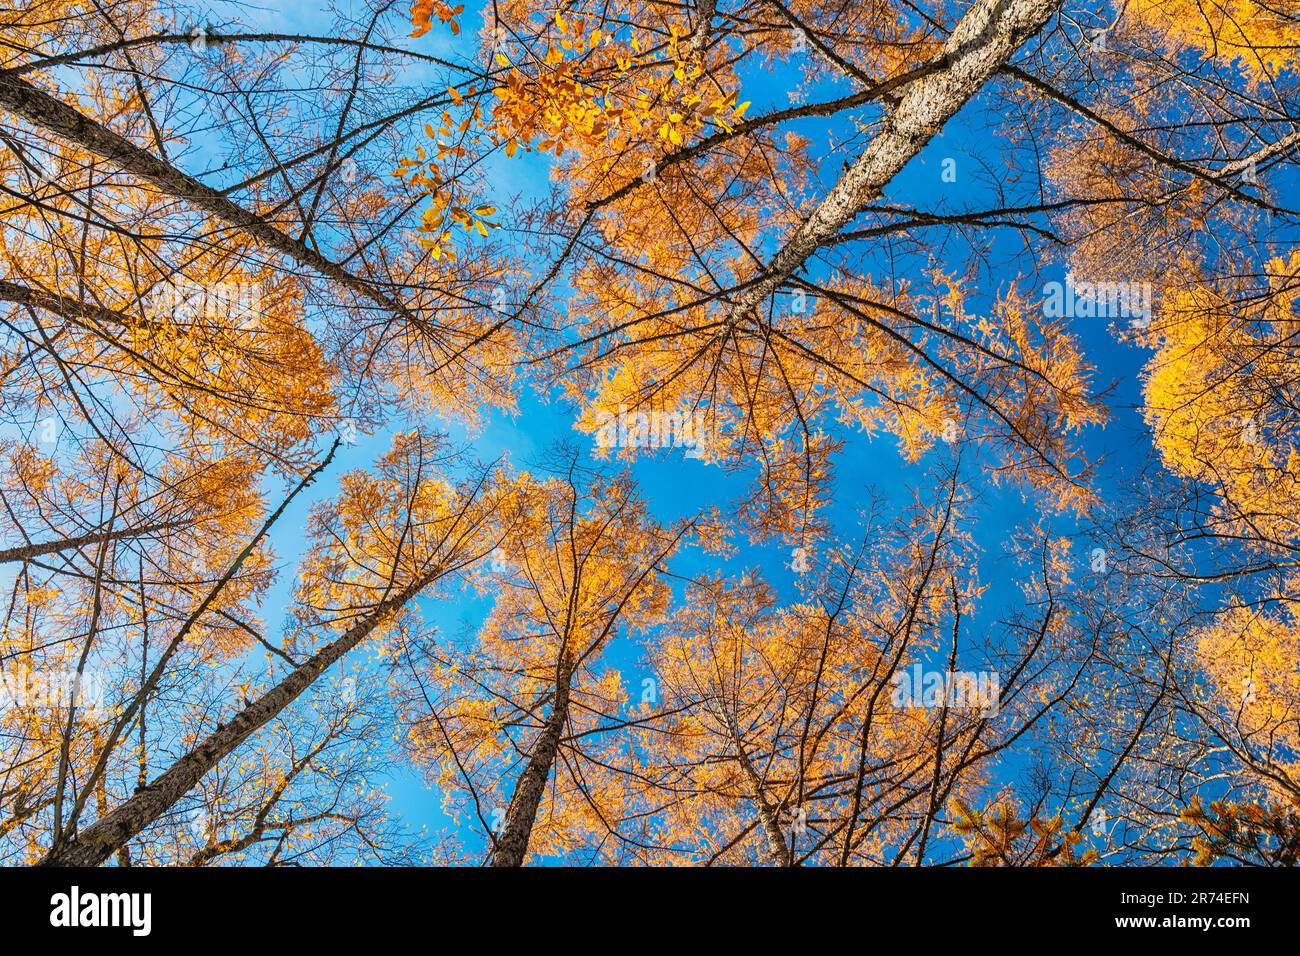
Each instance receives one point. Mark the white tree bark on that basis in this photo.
(44, 111)
(99, 841)
(984, 39)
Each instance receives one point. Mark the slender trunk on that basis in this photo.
(27, 552)
(512, 844)
(781, 852)
(64, 305)
(53, 115)
(148, 685)
(986, 37)
(99, 841)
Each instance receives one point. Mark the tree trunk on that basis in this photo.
(53, 115)
(781, 852)
(986, 37)
(512, 844)
(26, 552)
(99, 841)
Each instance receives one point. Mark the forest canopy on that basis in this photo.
(722, 432)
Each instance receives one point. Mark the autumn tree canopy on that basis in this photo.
(712, 433)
